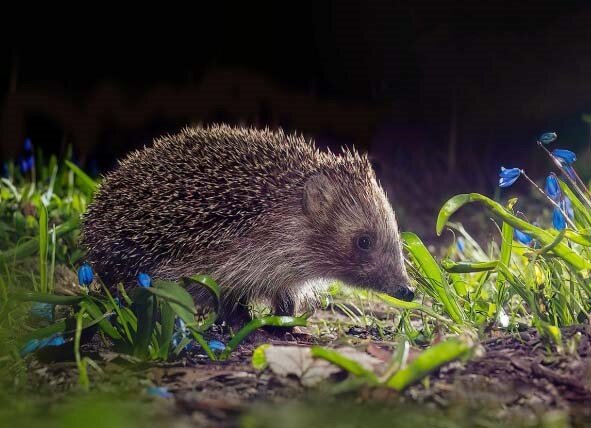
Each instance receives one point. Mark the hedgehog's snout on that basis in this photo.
(404, 293)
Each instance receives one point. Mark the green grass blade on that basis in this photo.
(166, 329)
(468, 267)
(146, 323)
(433, 274)
(49, 298)
(274, 321)
(87, 183)
(581, 212)
(351, 366)
(411, 306)
(178, 298)
(96, 313)
(505, 257)
(43, 247)
(427, 361)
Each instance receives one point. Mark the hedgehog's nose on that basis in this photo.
(404, 293)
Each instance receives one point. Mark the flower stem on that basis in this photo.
(556, 205)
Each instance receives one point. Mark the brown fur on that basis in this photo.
(267, 215)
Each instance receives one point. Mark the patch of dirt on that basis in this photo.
(521, 375)
(517, 378)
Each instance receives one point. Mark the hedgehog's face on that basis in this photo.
(354, 235)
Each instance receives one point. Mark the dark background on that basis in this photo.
(440, 93)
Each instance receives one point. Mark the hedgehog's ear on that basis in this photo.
(318, 195)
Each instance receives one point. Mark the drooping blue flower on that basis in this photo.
(548, 137)
(522, 237)
(5, 170)
(31, 346)
(42, 310)
(26, 164)
(159, 391)
(558, 220)
(36, 344)
(460, 244)
(28, 145)
(508, 176)
(56, 340)
(552, 188)
(566, 157)
(144, 280)
(85, 275)
(216, 345)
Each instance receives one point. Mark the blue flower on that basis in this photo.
(42, 310)
(36, 344)
(566, 157)
(524, 238)
(56, 340)
(558, 220)
(144, 280)
(216, 345)
(552, 187)
(85, 275)
(548, 137)
(460, 244)
(5, 170)
(508, 176)
(31, 346)
(159, 391)
(28, 145)
(26, 164)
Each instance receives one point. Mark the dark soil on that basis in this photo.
(518, 380)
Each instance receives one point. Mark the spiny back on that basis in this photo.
(193, 190)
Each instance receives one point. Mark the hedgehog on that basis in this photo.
(266, 214)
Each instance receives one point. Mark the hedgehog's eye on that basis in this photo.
(364, 242)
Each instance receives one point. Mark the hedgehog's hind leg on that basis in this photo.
(235, 316)
(284, 305)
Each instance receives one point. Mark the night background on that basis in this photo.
(440, 93)
(188, 288)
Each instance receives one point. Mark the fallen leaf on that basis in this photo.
(298, 361)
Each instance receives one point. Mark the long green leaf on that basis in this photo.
(96, 313)
(581, 212)
(49, 298)
(427, 361)
(274, 321)
(433, 273)
(146, 323)
(166, 328)
(345, 363)
(411, 306)
(468, 267)
(505, 258)
(87, 183)
(178, 298)
(43, 247)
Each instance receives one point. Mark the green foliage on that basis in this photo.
(39, 220)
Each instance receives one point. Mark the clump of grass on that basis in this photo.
(537, 276)
(40, 207)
